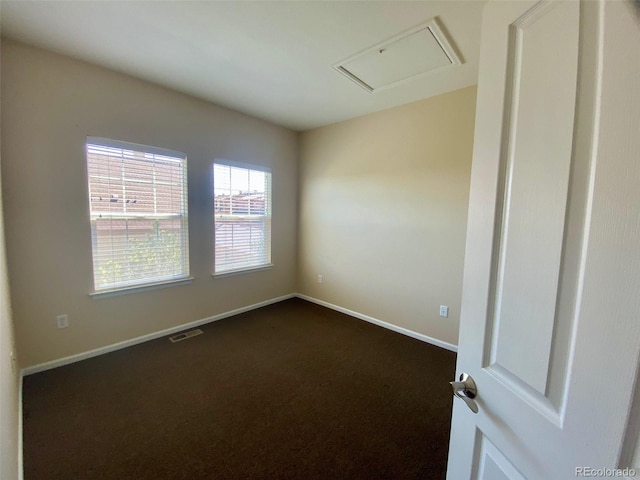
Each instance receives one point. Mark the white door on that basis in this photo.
(550, 327)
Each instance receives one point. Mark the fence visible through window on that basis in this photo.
(242, 217)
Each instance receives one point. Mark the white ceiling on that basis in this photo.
(268, 59)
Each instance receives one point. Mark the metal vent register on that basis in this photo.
(178, 337)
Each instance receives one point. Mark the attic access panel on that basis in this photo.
(413, 53)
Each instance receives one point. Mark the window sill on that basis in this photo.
(141, 288)
(243, 270)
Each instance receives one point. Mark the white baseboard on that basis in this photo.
(145, 338)
(375, 321)
(169, 331)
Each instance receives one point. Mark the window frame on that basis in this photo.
(148, 283)
(268, 216)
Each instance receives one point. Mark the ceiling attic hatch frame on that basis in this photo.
(419, 51)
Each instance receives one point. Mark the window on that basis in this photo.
(242, 216)
(138, 212)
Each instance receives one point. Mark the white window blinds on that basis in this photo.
(242, 216)
(138, 213)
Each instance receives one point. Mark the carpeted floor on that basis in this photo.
(288, 391)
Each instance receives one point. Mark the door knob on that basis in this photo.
(467, 390)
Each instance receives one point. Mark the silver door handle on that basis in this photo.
(467, 390)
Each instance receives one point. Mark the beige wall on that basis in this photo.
(8, 373)
(8, 376)
(383, 210)
(50, 103)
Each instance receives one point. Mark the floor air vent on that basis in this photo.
(178, 337)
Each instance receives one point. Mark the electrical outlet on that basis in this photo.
(444, 311)
(320, 279)
(62, 321)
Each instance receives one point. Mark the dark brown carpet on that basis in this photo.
(288, 391)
